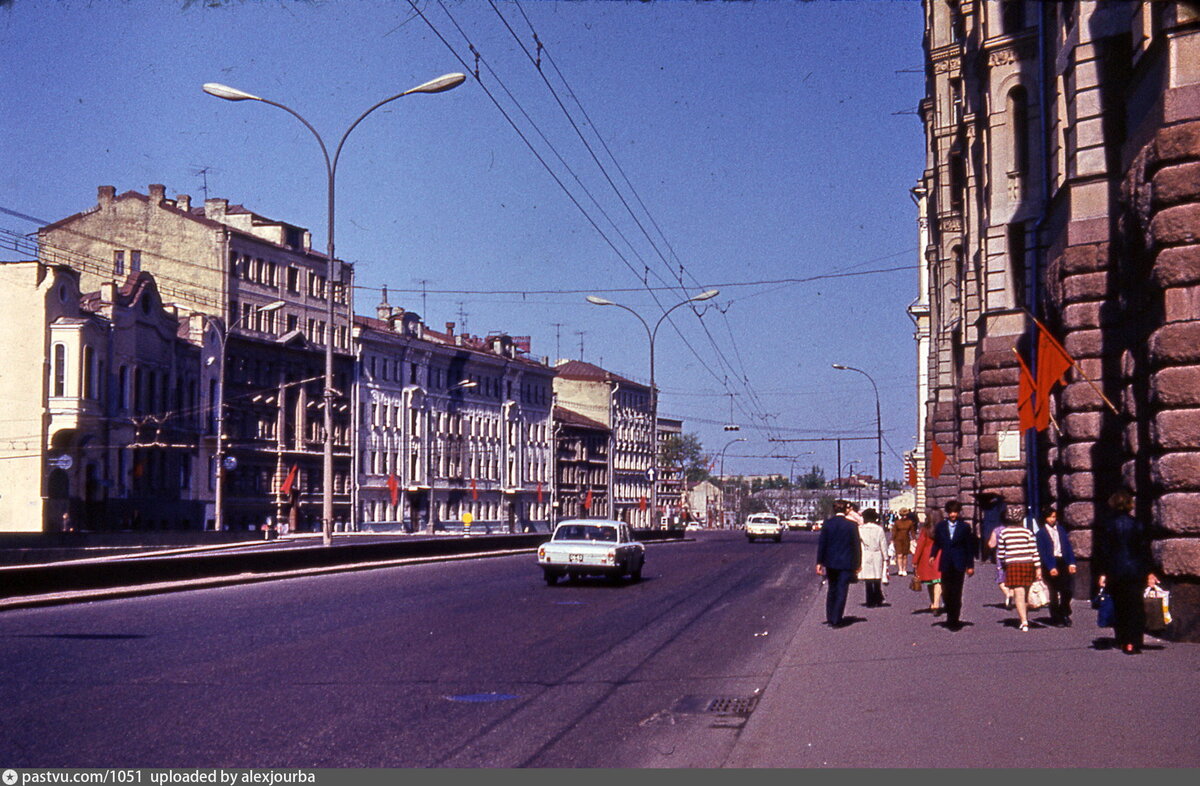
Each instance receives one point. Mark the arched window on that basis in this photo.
(88, 388)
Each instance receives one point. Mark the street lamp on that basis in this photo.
(724, 484)
(222, 337)
(651, 335)
(878, 429)
(438, 85)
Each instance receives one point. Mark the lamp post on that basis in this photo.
(724, 484)
(441, 84)
(652, 335)
(223, 337)
(878, 429)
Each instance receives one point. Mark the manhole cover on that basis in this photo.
(732, 705)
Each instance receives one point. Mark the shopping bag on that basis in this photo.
(1105, 610)
(1158, 608)
(914, 583)
(1039, 594)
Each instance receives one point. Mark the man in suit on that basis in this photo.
(839, 556)
(954, 549)
(1058, 566)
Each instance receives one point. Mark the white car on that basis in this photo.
(591, 547)
(764, 525)
(796, 523)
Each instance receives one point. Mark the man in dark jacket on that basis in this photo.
(954, 550)
(1058, 566)
(839, 556)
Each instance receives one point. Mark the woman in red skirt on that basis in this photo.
(1016, 551)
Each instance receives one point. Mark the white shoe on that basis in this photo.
(1024, 627)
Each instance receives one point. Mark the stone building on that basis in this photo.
(449, 425)
(264, 291)
(670, 485)
(623, 406)
(101, 392)
(1062, 182)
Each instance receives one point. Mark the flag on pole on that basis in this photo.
(474, 490)
(937, 460)
(286, 488)
(539, 492)
(641, 503)
(1053, 363)
(911, 472)
(587, 500)
(394, 487)
(1027, 411)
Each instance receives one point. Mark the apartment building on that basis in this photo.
(264, 290)
(454, 431)
(622, 406)
(1060, 185)
(580, 465)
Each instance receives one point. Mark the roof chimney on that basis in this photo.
(384, 309)
(184, 202)
(106, 195)
(158, 192)
(449, 328)
(214, 209)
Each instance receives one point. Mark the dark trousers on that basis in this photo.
(835, 600)
(1062, 590)
(1129, 613)
(952, 591)
(874, 589)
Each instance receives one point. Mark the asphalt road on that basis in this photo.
(461, 664)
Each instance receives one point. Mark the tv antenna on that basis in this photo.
(201, 171)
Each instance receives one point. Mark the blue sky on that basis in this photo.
(768, 141)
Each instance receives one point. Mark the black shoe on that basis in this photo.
(1066, 623)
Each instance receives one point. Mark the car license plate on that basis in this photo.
(575, 557)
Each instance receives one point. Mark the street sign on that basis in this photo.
(63, 462)
(230, 463)
(651, 474)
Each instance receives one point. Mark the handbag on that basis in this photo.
(1158, 608)
(1039, 594)
(1105, 609)
(914, 583)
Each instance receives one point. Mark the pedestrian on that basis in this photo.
(1058, 566)
(902, 532)
(873, 543)
(1000, 580)
(1017, 552)
(954, 550)
(994, 512)
(925, 568)
(1124, 564)
(839, 556)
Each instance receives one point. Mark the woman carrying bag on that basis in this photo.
(1017, 552)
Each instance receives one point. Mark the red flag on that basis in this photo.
(394, 487)
(539, 491)
(641, 503)
(937, 461)
(587, 500)
(1053, 362)
(1027, 411)
(911, 472)
(474, 490)
(286, 488)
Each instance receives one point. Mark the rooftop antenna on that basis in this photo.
(558, 326)
(424, 307)
(202, 171)
(580, 333)
(462, 316)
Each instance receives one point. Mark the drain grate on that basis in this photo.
(732, 705)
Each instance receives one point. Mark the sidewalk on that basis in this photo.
(898, 689)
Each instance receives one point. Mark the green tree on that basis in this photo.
(685, 451)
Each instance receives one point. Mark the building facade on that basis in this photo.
(453, 431)
(263, 290)
(580, 465)
(623, 406)
(1063, 145)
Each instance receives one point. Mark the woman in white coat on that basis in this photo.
(874, 557)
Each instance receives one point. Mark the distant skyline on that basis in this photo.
(773, 145)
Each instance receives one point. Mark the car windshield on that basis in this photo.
(586, 532)
(764, 519)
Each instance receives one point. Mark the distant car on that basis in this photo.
(693, 526)
(591, 547)
(764, 525)
(796, 523)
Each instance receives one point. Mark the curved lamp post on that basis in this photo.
(223, 337)
(652, 335)
(441, 84)
(878, 429)
(724, 484)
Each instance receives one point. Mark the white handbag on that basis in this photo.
(1039, 594)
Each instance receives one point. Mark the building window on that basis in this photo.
(1018, 116)
(293, 280)
(292, 322)
(88, 388)
(60, 370)
(119, 263)
(1016, 263)
(135, 261)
